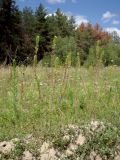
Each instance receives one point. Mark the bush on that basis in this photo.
(65, 46)
(106, 55)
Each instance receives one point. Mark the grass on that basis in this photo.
(59, 96)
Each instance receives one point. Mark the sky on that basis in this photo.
(104, 12)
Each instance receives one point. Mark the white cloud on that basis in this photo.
(56, 1)
(115, 22)
(112, 29)
(68, 14)
(79, 19)
(50, 14)
(108, 15)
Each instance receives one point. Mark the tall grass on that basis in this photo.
(39, 99)
(67, 95)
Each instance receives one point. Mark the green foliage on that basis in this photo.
(116, 38)
(62, 26)
(18, 40)
(59, 96)
(54, 42)
(95, 55)
(19, 149)
(111, 55)
(46, 97)
(64, 47)
(42, 29)
(57, 63)
(36, 51)
(60, 143)
(15, 91)
(103, 142)
(68, 60)
(78, 60)
(28, 22)
(108, 55)
(37, 44)
(10, 38)
(84, 41)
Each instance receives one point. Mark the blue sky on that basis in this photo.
(105, 12)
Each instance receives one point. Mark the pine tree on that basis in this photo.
(10, 30)
(42, 29)
(28, 21)
(63, 26)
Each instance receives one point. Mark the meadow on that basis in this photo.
(59, 84)
(39, 100)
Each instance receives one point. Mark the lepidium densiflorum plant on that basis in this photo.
(36, 50)
(35, 66)
(14, 89)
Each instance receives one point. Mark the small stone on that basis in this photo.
(69, 153)
(58, 154)
(15, 140)
(44, 147)
(80, 140)
(44, 156)
(71, 126)
(62, 156)
(29, 136)
(47, 153)
(6, 147)
(117, 157)
(28, 139)
(98, 157)
(27, 156)
(94, 156)
(72, 147)
(66, 138)
(50, 154)
(95, 125)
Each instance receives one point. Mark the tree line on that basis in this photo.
(18, 30)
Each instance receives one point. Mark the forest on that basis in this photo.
(19, 30)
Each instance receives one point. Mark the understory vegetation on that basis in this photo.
(54, 78)
(40, 99)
